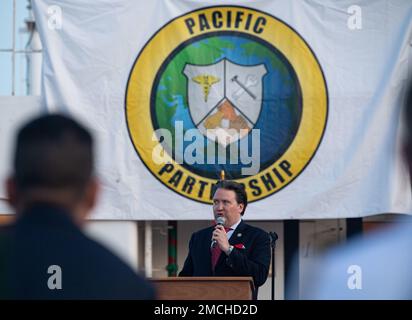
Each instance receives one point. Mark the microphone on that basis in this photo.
(273, 237)
(220, 221)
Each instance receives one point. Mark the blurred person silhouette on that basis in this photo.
(373, 266)
(44, 254)
(231, 248)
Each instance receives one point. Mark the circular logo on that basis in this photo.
(226, 88)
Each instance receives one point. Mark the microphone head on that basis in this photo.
(220, 220)
(273, 236)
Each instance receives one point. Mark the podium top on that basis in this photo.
(202, 279)
(204, 288)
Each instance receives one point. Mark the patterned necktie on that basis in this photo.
(216, 251)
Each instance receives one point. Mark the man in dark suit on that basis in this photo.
(241, 250)
(44, 254)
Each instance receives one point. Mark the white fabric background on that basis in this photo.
(357, 170)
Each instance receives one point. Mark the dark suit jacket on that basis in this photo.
(45, 236)
(252, 261)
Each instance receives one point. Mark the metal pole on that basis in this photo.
(273, 237)
(148, 249)
(33, 50)
(273, 274)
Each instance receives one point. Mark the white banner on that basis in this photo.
(300, 101)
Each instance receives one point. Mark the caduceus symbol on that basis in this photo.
(206, 81)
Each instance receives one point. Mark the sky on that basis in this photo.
(6, 39)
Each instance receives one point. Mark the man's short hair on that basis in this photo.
(53, 152)
(239, 189)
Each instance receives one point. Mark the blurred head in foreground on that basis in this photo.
(53, 164)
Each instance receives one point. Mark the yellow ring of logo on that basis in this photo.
(281, 36)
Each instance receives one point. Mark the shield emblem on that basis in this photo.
(225, 99)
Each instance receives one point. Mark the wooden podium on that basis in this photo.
(204, 288)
